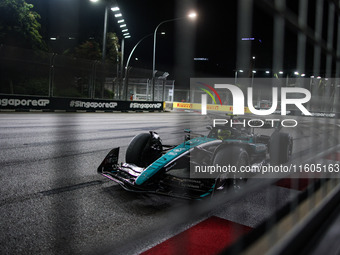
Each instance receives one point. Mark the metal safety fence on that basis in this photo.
(35, 73)
(288, 212)
(300, 209)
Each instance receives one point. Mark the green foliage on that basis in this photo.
(37, 86)
(66, 92)
(88, 50)
(113, 47)
(92, 50)
(25, 86)
(19, 25)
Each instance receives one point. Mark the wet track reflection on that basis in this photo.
(53, 200)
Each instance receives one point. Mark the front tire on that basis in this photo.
(144, 149)
(135, 149)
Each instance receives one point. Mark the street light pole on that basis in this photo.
(192, 16)
(122, 57)
(129, 58)
(108, 4)
(132, 51)
(113, 6)
(127, 65)
(121, 72)
(154, 54)
(105, 32)
(236, 75)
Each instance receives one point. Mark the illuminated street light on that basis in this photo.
(281, 72)
(121, 21)
(252, 78)
(296, 73)
(236, 74)
(253, 67)
(191, 15)
(125, 33)
(267, 72)
(115, 9)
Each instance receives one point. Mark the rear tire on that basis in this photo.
(233, 156)
(281, 147)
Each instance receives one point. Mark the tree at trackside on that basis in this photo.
(91, 49)
(19, 25)
(113, 47)
(87, 50)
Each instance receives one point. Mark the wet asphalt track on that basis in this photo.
(53, 201)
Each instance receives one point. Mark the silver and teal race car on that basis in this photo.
(153, 167)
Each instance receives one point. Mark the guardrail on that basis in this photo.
(229, 109)
(33, 103)
(210, 107)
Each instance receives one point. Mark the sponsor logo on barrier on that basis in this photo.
(95, 105)
(24, 102)
(145, 106)
(183, 105)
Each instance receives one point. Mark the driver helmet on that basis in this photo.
(223, 134)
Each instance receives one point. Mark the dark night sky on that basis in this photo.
(212, 35)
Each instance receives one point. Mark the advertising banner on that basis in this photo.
(18, 102)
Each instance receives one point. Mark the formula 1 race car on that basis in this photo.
(153, 167)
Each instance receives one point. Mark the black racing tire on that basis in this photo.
(233, 156)
(280, 148)
(134, 152)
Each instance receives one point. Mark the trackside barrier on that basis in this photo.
(210, 107)
(168, 106)
(229, 109)
(27, 103)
